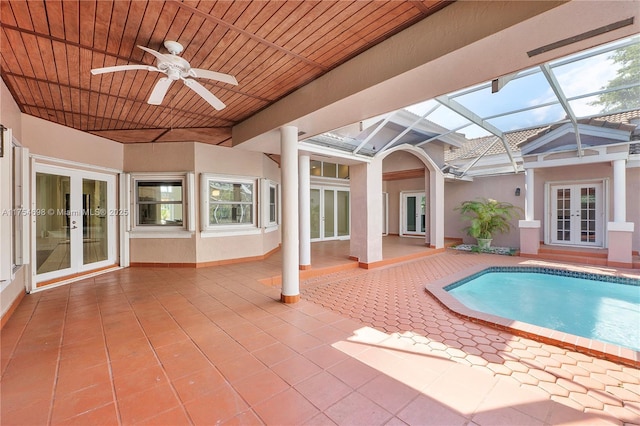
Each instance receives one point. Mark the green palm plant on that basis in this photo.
(487, 216)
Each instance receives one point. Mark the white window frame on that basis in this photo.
(188, 207)
(20, 173)
(6, 209)
(322, 170)
(227, 229)
(14, 205)
(271, 224)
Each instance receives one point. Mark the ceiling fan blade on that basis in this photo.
(158, 55)
(204, 93)
(213, 75)
(123, 68)
(159, 91)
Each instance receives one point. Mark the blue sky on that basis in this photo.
(577, 78)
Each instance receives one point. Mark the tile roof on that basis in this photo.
(475, 147)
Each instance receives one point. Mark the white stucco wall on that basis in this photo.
(201, 158)
(10, 117)
(235, 162)
(53, 140)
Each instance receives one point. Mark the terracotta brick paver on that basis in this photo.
(596, 386)
(172, 346)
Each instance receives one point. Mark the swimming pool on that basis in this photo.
(593, 306)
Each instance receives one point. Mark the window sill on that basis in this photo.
(182, 233)
(229, 232)
(271, 228)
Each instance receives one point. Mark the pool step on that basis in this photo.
(586, 256)
(568, 251)
(573, 258)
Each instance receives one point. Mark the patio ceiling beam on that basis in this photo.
(500, 82)
(555, 86)
(372, 134)
(408, 129)
(476, 119)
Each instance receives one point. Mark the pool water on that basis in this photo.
(599, 310)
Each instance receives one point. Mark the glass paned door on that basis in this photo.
(414, 213)
(343, 214)
(577, 214)
(315, 214)
(330, 214)
(74, 228)
(53, 244)
(95, 226)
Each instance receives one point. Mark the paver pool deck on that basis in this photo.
(172, 346)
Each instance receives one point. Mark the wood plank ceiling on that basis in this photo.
(272, 47)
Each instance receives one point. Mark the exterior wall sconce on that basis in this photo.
(517, 192)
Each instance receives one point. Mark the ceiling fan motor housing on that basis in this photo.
(175, 67)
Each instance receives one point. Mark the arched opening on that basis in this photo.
(413, 193)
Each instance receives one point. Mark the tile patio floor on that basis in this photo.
(172, 346)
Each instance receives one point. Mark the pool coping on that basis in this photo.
(595, 348)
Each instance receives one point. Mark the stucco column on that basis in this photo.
(366, 212)
(620, 232)
(619, 191)
(304, 201)
(436, 209)
(289, 175)
(528, 195)
(529, 227)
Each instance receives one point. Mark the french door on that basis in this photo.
(75, 222)
(329, 213)
(413, 213)
(577, 214)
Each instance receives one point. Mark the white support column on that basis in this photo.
(528, 195)
(304, 200)
(289, 176)
(619, 191)
(529, 227)
(620, 232)
(436, 209)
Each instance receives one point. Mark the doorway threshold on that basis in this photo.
(45, 285)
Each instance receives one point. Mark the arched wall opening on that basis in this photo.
(407, 173)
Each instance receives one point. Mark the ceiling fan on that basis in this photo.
(175, 68)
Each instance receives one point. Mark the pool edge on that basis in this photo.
(595, 348)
